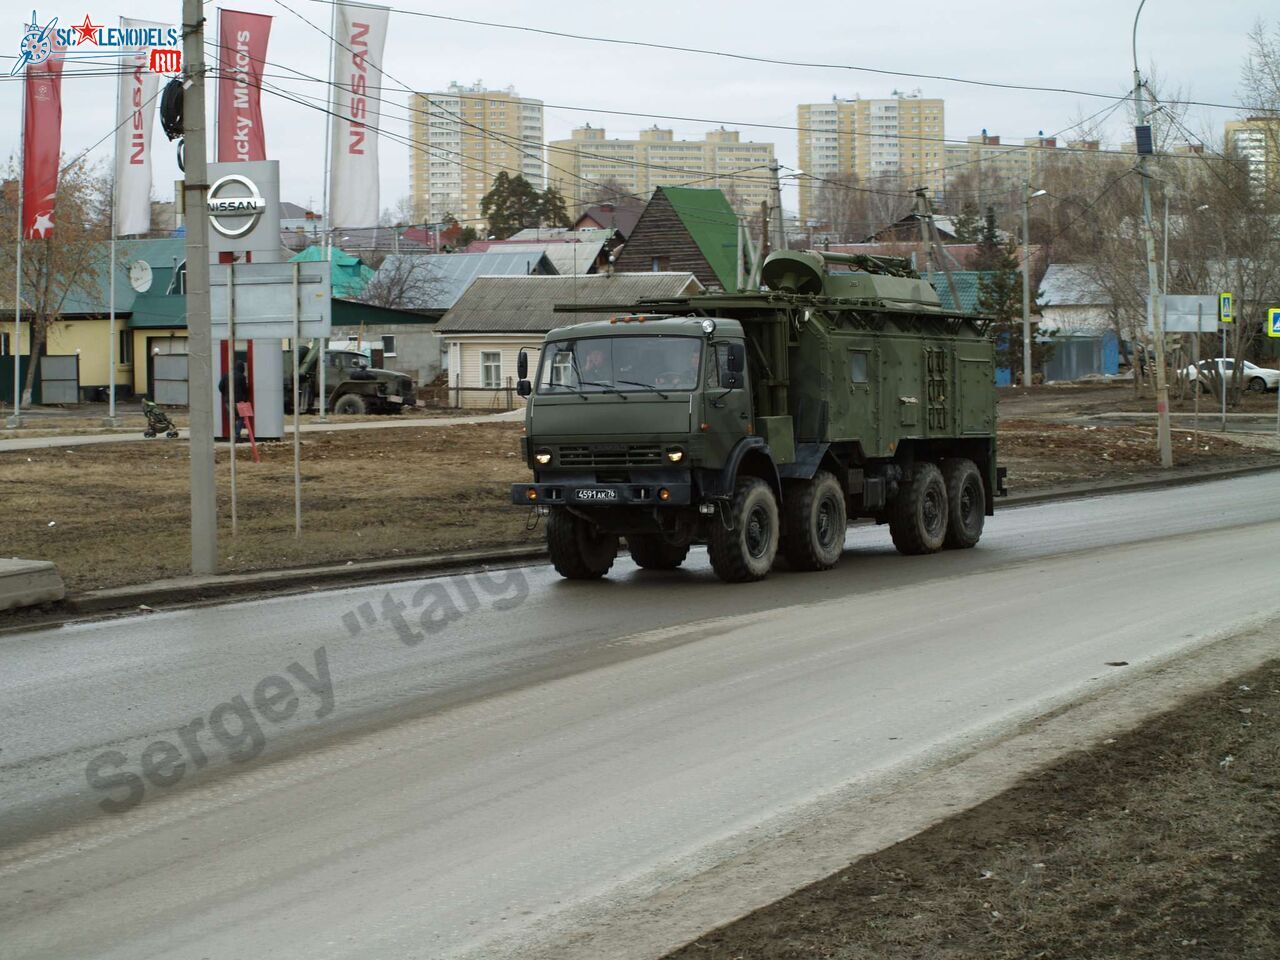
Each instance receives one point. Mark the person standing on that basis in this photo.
(242, 392)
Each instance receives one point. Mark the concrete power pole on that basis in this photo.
(204, 515)
(1026, 285)
(779, 239)
(1154, 313)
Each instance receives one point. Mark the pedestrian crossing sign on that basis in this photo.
(1225, 311)
(1273, 322)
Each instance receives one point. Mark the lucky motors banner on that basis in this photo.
(135, 111)
(242, 41)
(41, 145)
(360, 33)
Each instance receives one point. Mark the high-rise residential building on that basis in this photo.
(463, 138)
(898, 140)
(1256, 141)
(984, 160)
(578, 166)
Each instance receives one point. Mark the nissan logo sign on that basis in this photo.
(234, 216)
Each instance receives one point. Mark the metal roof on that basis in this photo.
(526, 304)
(1071, 285)
(565, 258)
(453, 273)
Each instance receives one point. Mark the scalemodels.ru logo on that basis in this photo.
(97, 41)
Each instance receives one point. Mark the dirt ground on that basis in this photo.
(407, 491)
(119, 513)
(1082, 399)
(1160, 843)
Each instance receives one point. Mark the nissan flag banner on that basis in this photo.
(41, 144)
(242, 42)
(135, 110)
(359, 37)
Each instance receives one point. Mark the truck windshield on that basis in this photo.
(620, 364)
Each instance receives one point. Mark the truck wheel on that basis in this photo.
(918, 514)
(350, 404)
(579, 551)
(815, 523)
(746, 552)
(651, 551)
(966, 503)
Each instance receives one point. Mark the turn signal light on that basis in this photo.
(531, 493)
(664, 493)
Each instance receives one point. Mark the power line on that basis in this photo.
(772, 61)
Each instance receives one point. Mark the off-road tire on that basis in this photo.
(746, 552)
(350, 404)
(918, 514)
(966, 503)
(814, 521)
(1258, 385)
(578, 550)
(651, 551)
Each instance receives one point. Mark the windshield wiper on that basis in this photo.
(647, 386)
(603, 385)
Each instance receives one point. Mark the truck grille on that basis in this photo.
(620, 455)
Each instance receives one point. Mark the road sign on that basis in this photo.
(1273, 322)
(1225, 309)
(1190, 313)
(264, 300)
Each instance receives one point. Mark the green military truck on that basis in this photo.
(351, 386)
(761, 422)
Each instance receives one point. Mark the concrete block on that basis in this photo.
(24, 583)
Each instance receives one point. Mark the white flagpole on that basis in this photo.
(328, 203)
(110, 419)
(15, 419)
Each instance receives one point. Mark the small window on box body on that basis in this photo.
(858, 364)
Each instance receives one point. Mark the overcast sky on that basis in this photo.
(1196, 48)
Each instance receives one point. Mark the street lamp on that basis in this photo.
(1027, 197)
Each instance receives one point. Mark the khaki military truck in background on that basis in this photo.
(759, 423)
(352, 386)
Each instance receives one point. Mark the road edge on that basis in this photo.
(843, 831)
(221, 588)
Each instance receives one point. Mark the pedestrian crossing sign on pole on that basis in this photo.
(1273, 322)
(1225, 311)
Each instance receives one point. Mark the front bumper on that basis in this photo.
(590, 495)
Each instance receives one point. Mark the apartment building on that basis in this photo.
(464, 137)
(898, 139)
(985, 160)
(657, 159)
(1256, 141)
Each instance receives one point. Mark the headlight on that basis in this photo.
(675, 454)
(708, 326)
(542, 457)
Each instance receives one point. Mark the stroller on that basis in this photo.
(158, 420)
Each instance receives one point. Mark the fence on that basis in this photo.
(484, 398)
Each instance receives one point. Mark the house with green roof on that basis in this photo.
(685, 230)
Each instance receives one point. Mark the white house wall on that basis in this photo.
(465, 372)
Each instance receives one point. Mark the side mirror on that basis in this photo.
(522, 366)
(737, 358)
(523, 388)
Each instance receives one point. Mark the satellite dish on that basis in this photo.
(140, 276)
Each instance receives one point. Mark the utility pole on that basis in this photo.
(204, 507)
(1026, 284)
(1146, 146)
(778, 240)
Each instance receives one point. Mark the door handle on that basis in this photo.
(743, 416)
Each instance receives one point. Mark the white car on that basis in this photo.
(1253, 377)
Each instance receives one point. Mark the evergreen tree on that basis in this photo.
(513, 204)
(968, 226)
(553, 212)
(1000, 297)
(990, 253)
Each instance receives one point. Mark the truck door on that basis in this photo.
(726, 399)
(861, 376)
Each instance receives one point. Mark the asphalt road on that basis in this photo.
(308, 777)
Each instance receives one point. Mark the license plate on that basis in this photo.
(395, 398)
(597, 494)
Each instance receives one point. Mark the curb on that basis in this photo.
(224, 587)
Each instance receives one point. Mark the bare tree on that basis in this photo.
(403, 282)
(68, 261)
